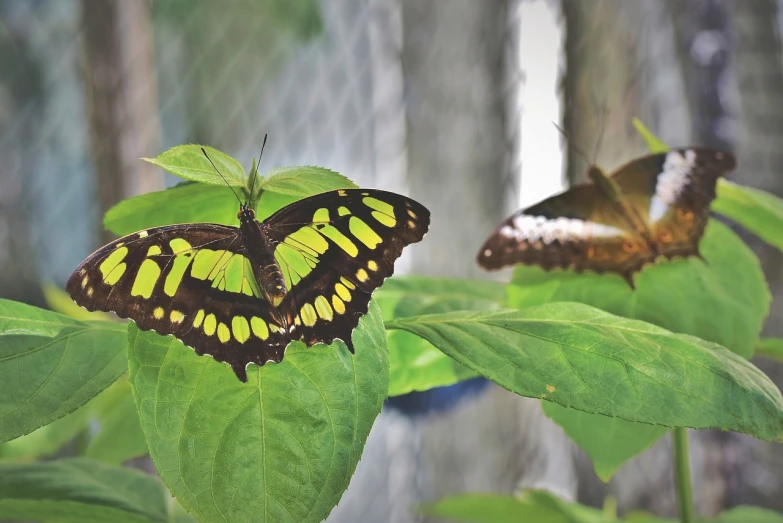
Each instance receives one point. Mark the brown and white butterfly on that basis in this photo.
(657, 205)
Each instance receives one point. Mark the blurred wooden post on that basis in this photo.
(122, 101)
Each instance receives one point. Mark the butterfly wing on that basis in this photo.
(672, 193)
(581, 229)
(335, 249)
(193, 281)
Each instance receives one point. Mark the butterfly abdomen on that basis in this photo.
(267, 271)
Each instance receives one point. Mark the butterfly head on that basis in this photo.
(245, 213)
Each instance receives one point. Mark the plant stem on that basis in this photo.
(682, 475)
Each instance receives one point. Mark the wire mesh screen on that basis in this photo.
(196, 71)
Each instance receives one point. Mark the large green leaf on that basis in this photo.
(532, 506)
(747, 514)
(758, 211)
(185, 203)
(45, 441)
(120, 437)
(51, 365)
(281, 447)
(414, 363)
(303, 181)
(79, 491)
(188, 162)
(724, 299)
(609, 442)
(587, 359)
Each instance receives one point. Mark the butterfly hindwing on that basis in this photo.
(335, 249)
(673, 191)
(192, 281)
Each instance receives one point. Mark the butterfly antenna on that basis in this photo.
(601, 127)
(571, 144)
(253, 181)
(221, 175)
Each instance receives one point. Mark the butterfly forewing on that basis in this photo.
(661, 207)
(335, 249)
(581, 229)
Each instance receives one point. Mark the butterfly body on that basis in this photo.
(243, 294)
(657, 205)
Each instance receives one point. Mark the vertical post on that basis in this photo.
(121, 98)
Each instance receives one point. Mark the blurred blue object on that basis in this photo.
(441, 399)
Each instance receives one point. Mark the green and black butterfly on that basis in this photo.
(242, 294)
(657, 205)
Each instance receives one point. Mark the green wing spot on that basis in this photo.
(259, 328)
(343, 211)
(378, 205)
(234, 273)
(178, 245)
(249, 283)
(296, 264)
(340, 239)
(198, 319)
(323, 308)
(240, 328)
(146, 278)
(223, 333)
(363, 231)
(153, 251)
(308, 238)
(321, 215)
(384, 219)
(174, 277)
(115, 274)
(210, 323)
(205, 261)
(308, 315)
(112, 261)
(220, 265)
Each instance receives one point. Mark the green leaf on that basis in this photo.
(747, 514)
(281, 447)
(609, 442)
(757, 211)
(415, 364)
(303, 181)
(188, 162)
(724, 300)
(185, 203)
(59, 301)
(587, 359)
(533, 506)
(653, 143)
(79, 490)
(120, 437)
(51, 365)
(771, 348)
(48, 439)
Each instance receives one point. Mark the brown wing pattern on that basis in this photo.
(351, 239)
(673, 192)
(581, 229)
(191, 281)
(586, 229)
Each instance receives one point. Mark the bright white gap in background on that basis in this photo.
(540, 59)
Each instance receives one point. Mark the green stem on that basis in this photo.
(682, 475)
